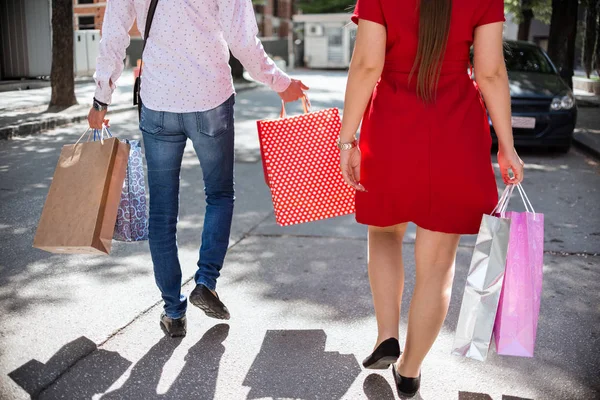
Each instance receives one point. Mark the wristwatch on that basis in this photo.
(99, 106)
(347, 146)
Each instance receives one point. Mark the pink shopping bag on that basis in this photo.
(516, 323)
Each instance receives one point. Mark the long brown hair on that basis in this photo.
(434, 26)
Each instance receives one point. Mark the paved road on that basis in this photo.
(78, 327)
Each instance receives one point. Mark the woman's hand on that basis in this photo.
(509, 160)
(350, 165)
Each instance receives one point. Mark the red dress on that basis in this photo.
(427, 164)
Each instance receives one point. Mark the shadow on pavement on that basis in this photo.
(197, 379)
(376, 387)
(294, 364)
(481, 396)
(106, 368)
(98, 370)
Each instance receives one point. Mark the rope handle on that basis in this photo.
(502, 205)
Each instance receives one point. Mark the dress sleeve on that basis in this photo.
(369, 10)
(493, 12)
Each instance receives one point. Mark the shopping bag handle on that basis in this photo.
(98, 133)
(528, 205)
(502, 205)
(305, 105)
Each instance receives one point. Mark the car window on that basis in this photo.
(527, 59)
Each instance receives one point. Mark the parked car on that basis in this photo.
(544, 112)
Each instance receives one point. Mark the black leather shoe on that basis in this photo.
(173, 327)
(385, 354)
(407, 387)
(209, 302)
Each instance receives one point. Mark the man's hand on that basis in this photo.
(294, 92)
(97, 118)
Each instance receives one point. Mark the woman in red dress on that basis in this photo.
(424, 153)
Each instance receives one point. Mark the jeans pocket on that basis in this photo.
(151, 121)
(217, 121)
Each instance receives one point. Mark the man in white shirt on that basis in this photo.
(187, 93)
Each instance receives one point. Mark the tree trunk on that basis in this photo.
(597, 57)
(590, 37)
(563, 32)
(526, 18)
(62, 76)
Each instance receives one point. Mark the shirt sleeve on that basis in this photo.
(493, 13)
(238, 22)
(118, 21)
(369, 10)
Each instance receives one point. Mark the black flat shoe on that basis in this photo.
(209, 302)
(407, 387)
(173, 327)
(384, 355)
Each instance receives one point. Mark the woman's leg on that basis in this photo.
(386, 274)
(435, 255)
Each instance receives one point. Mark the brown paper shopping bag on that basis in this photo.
(81, 208)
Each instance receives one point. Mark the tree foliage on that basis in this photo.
(542, 9)
(325, 6)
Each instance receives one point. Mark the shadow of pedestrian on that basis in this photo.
(197, 379)
(481, 396)
(376, 387)
(105, 367)
(145, 375)
(294, 364)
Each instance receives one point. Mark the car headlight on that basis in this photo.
(562, 103)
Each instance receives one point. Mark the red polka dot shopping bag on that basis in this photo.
(302, 166)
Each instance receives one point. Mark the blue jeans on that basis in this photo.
(165, 136)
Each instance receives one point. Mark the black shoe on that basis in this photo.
(173, 327)
(209, 302)
(385, 354)
(407, 387)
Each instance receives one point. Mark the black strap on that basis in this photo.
(149, 19)
(137, 85)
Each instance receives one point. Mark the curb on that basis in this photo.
(587, 101)
(582, 142)
(33, 127)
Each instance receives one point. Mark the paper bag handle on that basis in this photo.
(98, 133)
(305, 105)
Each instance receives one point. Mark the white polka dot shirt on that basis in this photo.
(186, 61)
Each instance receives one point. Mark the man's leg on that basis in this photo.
(212, 134)
(164, 143)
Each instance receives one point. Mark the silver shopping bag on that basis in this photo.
(484, 285)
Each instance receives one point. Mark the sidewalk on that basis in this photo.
(587, 138)
(84, 327)
(25, 112)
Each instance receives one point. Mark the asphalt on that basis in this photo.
(82, 327)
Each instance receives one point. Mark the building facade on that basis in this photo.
(89, 15)
(274, 19)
